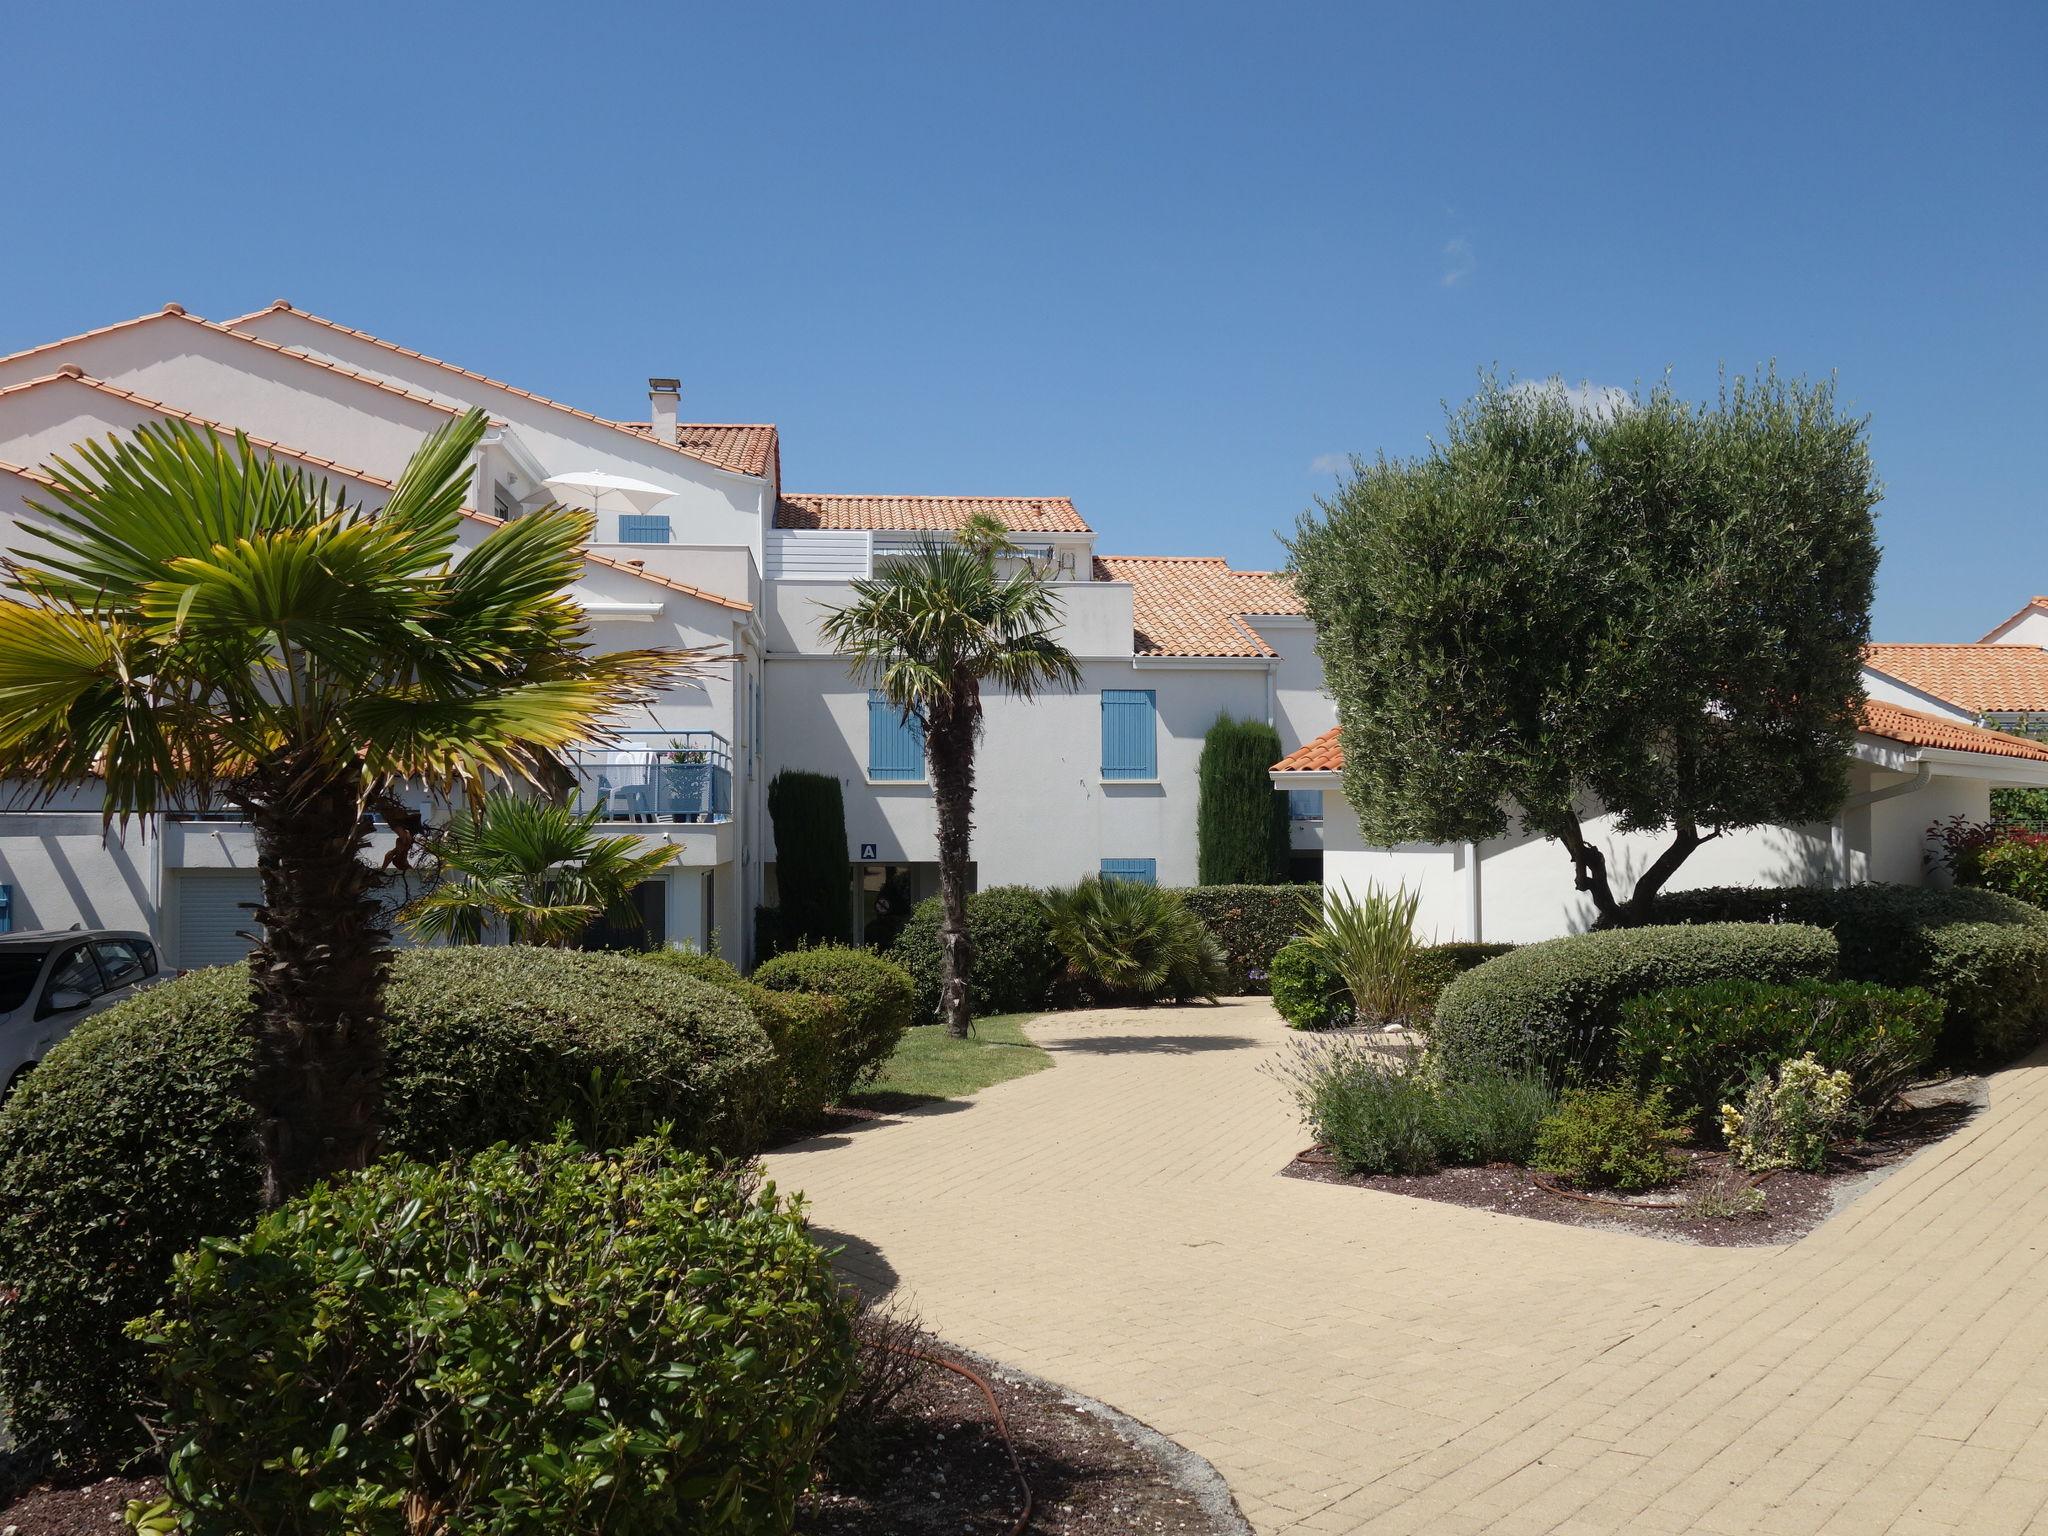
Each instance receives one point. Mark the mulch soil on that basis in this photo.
(1795, 1202)
(939, 1466)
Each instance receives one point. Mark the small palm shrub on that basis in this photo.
(1706, 1044)
(1126, 942)
(1307, 991)
(1610, 1138)
(1371, 944)
(135, 1138)
(1015, 958)
(536, 1339)
(1377, 1113)
(1789, 1122)
(876, 996)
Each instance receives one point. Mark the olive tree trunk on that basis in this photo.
(317, 974)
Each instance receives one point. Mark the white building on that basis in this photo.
(1102, 779)
(1911, 768)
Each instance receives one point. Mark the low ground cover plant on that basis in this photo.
(876, 997)
(1554, 1006)
(1127, 942)
(1378, 1112)
(135, 1138)
(1610, 1137)
(1985, 955)
(1704, 1045)
(1788, 1121)
(528, 1339)
(1252, 923)
(1015, 959)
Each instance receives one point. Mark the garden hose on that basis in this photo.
(1002, 1428)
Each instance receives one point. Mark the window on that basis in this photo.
(1304, 805)
(1130, 733)
(119, 961)
(895, 742)
(75, 973)
(639, 528)
(1143, 871)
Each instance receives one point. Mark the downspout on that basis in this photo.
(1923, 771)
(1472, 927)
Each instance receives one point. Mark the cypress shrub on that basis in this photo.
(1241, 819)
(812, 872)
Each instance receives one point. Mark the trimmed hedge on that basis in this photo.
(134, 1138)
(1241, 830)
(533, 1339)
(875, 995)
(1252, 923)
(1015, 959)
(1704, 1045)
(1307, 991)
(803, 1029)
(1445, 963)
(1985, 955)
(1554, 1006)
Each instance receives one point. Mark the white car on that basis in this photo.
(49, 980)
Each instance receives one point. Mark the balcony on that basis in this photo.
(656, 776)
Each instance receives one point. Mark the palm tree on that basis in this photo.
(927, 632)
(207, 625)
(537, 867)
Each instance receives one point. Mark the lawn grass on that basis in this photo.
(930, 1064)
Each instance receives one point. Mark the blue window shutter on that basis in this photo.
(6, 909)
(1130, 747)
(635, 528)
(1144, 871)
(895, 741)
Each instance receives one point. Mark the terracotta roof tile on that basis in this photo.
(1196, 605)
(1909, 727)
(926, 514)
(1982, 678)
(746, 449)
(1323, 755)
(158, 407)
(1915, 728)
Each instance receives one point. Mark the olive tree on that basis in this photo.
(1654, 608)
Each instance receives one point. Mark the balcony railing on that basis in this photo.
(657, 776)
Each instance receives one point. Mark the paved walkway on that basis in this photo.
(1361, 1362)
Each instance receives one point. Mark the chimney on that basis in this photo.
(665, 395)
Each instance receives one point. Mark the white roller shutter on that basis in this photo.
(208, 913)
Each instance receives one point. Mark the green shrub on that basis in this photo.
(135, 1138)
(1125, 942)
(1983, 954)
(1015, 959)
(1307, 991)
(715, 969)
(1252, 923)
(813, 876)
(1378, 1114)
(802, 1028)
(1371, 943)
(1554, 1006)
(1705, 1044)
(1610, 1138)
(1241, 827)
(1788, 1123)
(532, 1339)
(876, 999)
(1442, 964)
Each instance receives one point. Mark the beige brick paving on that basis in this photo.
(1359, 1362)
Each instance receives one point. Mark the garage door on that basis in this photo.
(209, 912)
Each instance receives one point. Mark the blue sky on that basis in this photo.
(1175, 261)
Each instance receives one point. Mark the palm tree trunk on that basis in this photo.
(949, 745)
(317, 975)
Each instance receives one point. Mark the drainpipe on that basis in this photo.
(1923, 771)
(1472, 928)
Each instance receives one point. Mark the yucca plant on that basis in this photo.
(1130, 942)
(202, 624)
(928, 631)
(1372, 945)
(538, 868)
